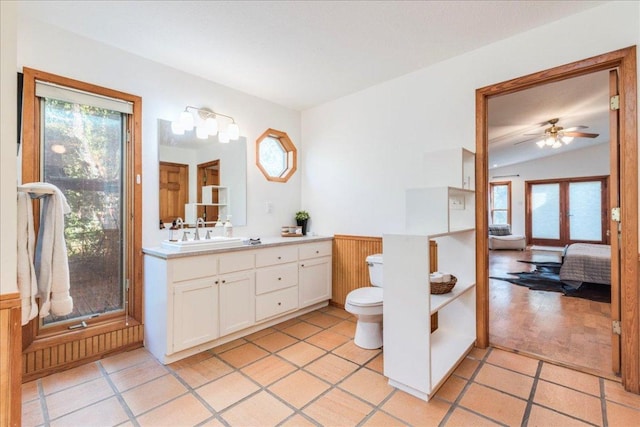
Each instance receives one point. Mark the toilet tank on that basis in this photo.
(375, 269)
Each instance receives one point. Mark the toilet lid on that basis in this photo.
(365, 296)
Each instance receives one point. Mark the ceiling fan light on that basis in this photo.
(567, 139)
(541, 143)
(556, 144)
(550, 140)
(186, 120)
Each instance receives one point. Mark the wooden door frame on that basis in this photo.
(625, 61)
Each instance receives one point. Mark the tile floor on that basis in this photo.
(306, 372)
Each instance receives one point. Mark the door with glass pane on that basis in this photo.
(561, 212)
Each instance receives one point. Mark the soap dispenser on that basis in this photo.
(218, 229)
(228, 227)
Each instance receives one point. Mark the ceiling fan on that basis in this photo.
(554, 136)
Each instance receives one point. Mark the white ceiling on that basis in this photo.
(300, 54)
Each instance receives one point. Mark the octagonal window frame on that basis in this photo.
(289, 148)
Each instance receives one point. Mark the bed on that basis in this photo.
(586, 262)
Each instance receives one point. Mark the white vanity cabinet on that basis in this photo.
(315, 273)
(195, 301)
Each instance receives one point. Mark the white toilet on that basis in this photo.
(366, 305)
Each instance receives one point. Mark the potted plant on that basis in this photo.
(301, 219)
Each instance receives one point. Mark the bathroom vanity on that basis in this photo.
(196, 300)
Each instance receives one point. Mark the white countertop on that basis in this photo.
(271, 241)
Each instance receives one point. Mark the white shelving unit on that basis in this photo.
(417, 360)
(224, 209)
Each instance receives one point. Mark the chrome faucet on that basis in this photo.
(180, 223)
(198, 222)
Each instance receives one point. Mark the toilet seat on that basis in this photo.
(365, 297)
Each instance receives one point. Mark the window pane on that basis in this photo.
(545, 205)
(273, 157)
(585, 209)
(500, 217)
(82, 155)
(500, 197)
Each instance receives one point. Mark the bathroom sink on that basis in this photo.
(202, 244)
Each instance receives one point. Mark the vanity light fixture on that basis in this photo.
(205, 123)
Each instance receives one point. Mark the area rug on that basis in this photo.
(545, 280)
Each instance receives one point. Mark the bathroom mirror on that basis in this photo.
(186, 163)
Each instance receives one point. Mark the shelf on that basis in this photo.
(447, 345)
(440, 301)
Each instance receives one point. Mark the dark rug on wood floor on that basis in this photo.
(544, 280)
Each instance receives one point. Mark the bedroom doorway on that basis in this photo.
(623, 166)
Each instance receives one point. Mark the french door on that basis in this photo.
(561, 212)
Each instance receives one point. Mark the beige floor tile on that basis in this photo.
(70, 378)
(32, 413)
(368, 385)
(138, 374)
(614, 391)
(154, 393)
(183, 411)
(377, 363)
(380, 419)
(352, 352)
(191, 360)
(478, 353)
(254, 336)
(337, 408)
(460, 417)
(227, 390)
(338, 312)
(106, 413)
(505, 380)
(346, 328)
(268, 370)
(30, 391)
(259, 410)
(275, 341)
(203, 372)
(466, 368)
(619, 415)
(74, 398)
(571, 378)
(297, 421)
(299, 388)
(571, 402)
(494, 404)
(125, 360)
(515, 362)
(214, 422)
(302, 330)
(323, 320)
(331, 368)
(243, 355)
(228, 346)
(451, 389)
(301, 353)
(543, 417)
(327, 340)
(286, 324)
(413, 411)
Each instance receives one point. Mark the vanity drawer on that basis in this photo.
(277, 302)
(315, 250)
(270, 279)
(237, 262)
(194, 267)
(277, 255)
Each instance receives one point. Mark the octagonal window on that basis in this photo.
(276, 156)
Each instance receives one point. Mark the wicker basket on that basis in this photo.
(443, 287)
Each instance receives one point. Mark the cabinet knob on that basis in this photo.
(301, 265)
(279, 257)
(224, 281)
(216, 282)
(317, 252)
(279, 278)
(279, 303)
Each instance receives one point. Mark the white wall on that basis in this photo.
(362, 151)
(8, 135)
(591, 161)
(165, 92)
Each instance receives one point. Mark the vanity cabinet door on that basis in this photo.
(237, 301)
(314, 281)
(195, 317)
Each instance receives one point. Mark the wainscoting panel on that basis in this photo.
(48, 356)
(350, 270)
(11, 347)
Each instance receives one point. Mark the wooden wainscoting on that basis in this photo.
(350, 270)
(11, 347)
(49, 355)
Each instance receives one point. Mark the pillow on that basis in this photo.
(499, 230)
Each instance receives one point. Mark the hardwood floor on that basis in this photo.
(569, 331)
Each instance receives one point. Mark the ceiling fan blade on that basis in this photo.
(573, 128)
(582, 134)
(527, 140)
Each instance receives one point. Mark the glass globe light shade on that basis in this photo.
(541, 143)
(223, 137)
(201, 132)
(234, 131)
(186, 120)
(177, 128)
(567, 139)
(556, 144)
(550, 140)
